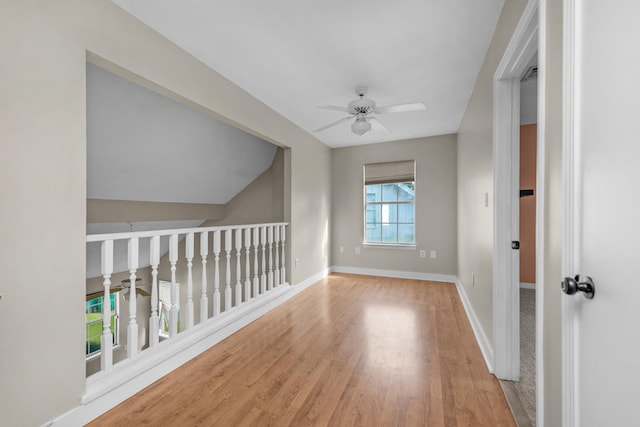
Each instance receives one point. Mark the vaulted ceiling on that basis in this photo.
(146, 147)
(297, 55)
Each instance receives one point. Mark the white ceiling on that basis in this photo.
(297, 55)
(144, 146)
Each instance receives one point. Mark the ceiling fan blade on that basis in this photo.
(101, 293)
(334, 107)
(378, 126)
(333, 124)
(142, 292)
(401, 108)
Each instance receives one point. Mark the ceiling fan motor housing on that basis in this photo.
(362, 106)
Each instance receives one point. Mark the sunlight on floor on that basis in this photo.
(392, 340)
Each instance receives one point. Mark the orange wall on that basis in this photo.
(528, 135)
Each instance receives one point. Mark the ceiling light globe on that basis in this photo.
(361, 126)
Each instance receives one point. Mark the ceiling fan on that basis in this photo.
(361, 109)
(125, 287)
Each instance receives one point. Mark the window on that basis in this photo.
(164, 297)
(390, 203)
(93, 322)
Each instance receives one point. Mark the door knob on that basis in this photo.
(572, 285)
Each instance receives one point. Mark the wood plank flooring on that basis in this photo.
(349, 351)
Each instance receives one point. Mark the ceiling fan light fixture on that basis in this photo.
(361, 126)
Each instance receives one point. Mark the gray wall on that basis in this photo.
(475, 177)
(43, 180)
(435, 205)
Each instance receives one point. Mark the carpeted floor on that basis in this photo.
(526, 387)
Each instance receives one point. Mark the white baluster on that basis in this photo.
(154, 320)
(283, 270)
(216, 278)
(276, 241)
(227, 289)
(188, 250)
(132, 329)
(247, 270)
(204, 301)
(106, 340)
(270, 276)
(173, 312)
(256, 246)
(238, 269)
(263, 278)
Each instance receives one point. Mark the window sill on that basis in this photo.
(401, 246)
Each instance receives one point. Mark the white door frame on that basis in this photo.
(506, 158)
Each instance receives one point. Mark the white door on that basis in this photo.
(607, 201)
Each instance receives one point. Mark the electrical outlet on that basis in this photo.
(357, 250)
(423, 253)
(432, 254)
(341, 249)
(297, 261)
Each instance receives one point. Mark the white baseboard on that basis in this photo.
(394, 273)
(524, 285)
(129, 377)
(481, 338)
(311, 280)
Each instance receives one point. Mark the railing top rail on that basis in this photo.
(151, 233)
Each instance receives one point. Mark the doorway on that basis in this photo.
(525, 387)
(516, 60)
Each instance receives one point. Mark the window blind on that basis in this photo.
(388, 172)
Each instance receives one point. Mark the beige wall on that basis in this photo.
(552, 256)
(99, 211)
(259, 202)
(435, 205)
(43, 181)
(475, 177)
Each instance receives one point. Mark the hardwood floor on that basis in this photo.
(349, 351)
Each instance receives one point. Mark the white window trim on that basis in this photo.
(401, 246)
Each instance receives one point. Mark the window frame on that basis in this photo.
(115, 315)
(366, 204)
